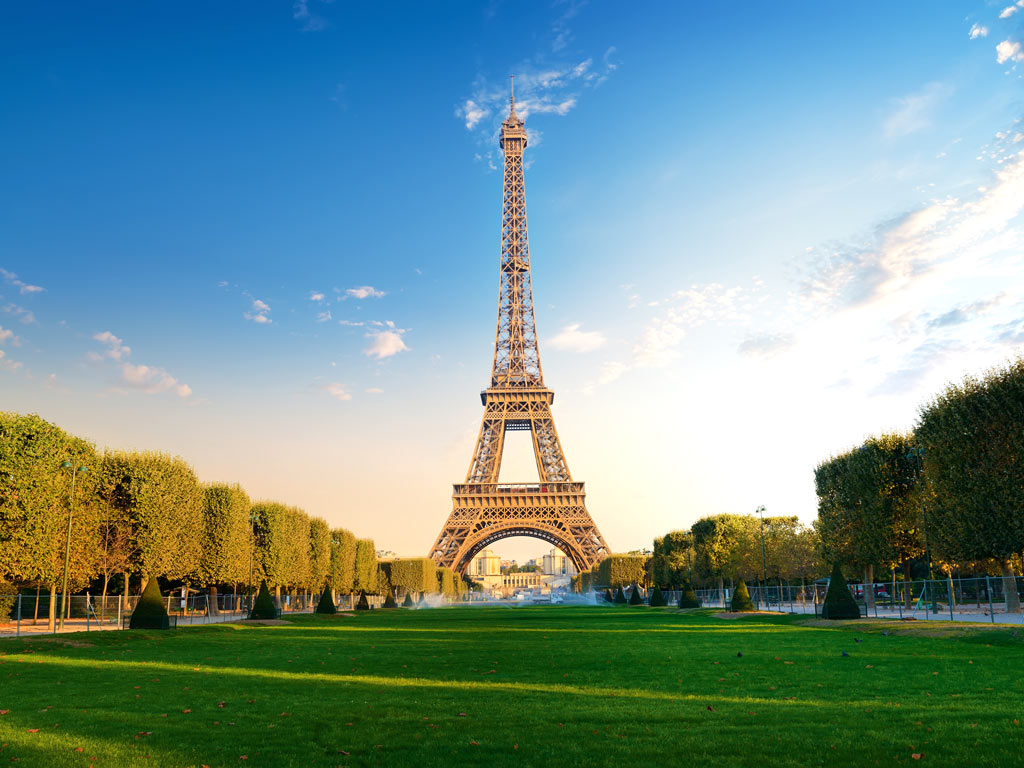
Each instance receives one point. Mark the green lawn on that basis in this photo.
(552, 685)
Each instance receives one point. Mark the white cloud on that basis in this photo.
(374, 391)
(385, 343)
(913, 112)
(472, 113)
(571, 338)
(6, 334)
(116, 350)
(311, 22)
(1009, 51)
(765, 345)
(363, 292)
(323, 317)
(6, 364)
(260, 313)
(1008, 11)
(316, 296)
(977, 30)
(152, 380)
(22, 287)
(355, 323)
(25, 316)
(338, 392)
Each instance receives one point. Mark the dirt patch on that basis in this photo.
(58, 641)
(908, 628)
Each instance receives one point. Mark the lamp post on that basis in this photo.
(67, 546)
(764, 560)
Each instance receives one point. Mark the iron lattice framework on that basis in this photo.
(553, 509)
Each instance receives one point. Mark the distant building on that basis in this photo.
(486, 563)
(554, 563)
(555, 571)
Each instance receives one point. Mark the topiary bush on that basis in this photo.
(264, 607)
(741, 599)
(635, 598)
(408, 602)
(390, 602)
(326, 603)
(620, 597)
(150, 612)
(363, 604)
(839, 603)
(422, 602)
(658, 597)
(608, 596)
(688, 599)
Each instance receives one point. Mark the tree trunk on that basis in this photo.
(869, 586)
(952, 594)
(908, 596)
(277, 596)
(35, 617)
(52, 618)
(214, 609)
(721, 590)
(1010, 587)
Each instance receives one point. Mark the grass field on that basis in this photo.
(552, 685)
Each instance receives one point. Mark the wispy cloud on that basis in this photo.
(572, 339)
(323, 317)
(1009, 50)
(260, 313)
(21, 285)
(765, 345)
(316, 296)
(8, 335)
(311, 21)
(1009, 10)
(152, 380)
(385, 341)
(363, 292)
(115, 348)
(374, 391)
(977, 30)
(337, 391)
(24, 316)
(913, 113)
(6, 364)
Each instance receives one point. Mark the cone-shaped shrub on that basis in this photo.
(839, 603)
(636, 598)
(422, 602)
(657, 596)
(620, 597)
(390, 602)
(264, 607)
(326, 603)
(741, 599)
(608, 596)
(688, 599)
(150, 612)
(408, 602)
(363, 604)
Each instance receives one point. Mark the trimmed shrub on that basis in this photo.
(264, 607)
(741, 602)
(839, 603)
(622, 570)
(363, 604)
(688, 599)
(658, 597)
(390, 602)
(635, 598)
(422, 602)
(326, 603)
(408, 602)
(620, 597)
(150, 612)
(608, 596)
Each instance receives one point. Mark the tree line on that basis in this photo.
(950, 491)
(145, 514)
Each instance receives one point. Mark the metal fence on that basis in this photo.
(975, 599)
(30, 614)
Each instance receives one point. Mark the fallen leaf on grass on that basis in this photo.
(342, 752)
(185, 711)
(463, 714)
(32, 730)
(79, 749)
(221, 704)
(917, 755)
(475, 743)
(4, 711)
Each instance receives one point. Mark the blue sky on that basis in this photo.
(264, 236)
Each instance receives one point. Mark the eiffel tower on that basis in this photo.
(484, 510)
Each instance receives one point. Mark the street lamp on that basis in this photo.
(67, 546)
(764, 561)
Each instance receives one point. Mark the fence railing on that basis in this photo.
(30, 614)
(973, 599)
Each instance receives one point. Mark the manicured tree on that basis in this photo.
(163, 502)
(326, 602)
(408, 603)
(620, 597)
(657, 597)
(343, 561)
(622, 570)
(363, 604)
(297, 527)
(972, 436)
(446, 582)
(688, 598)
(34, 504)
(150, 612)
(414, 575)
(390, 602)
(741, 599)
(319, 552)
(227, 538)
(270, 524)
(636, 597)
(670, 560)
(264, 607)
(366, 566)
(727, 547)
(839, 603)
